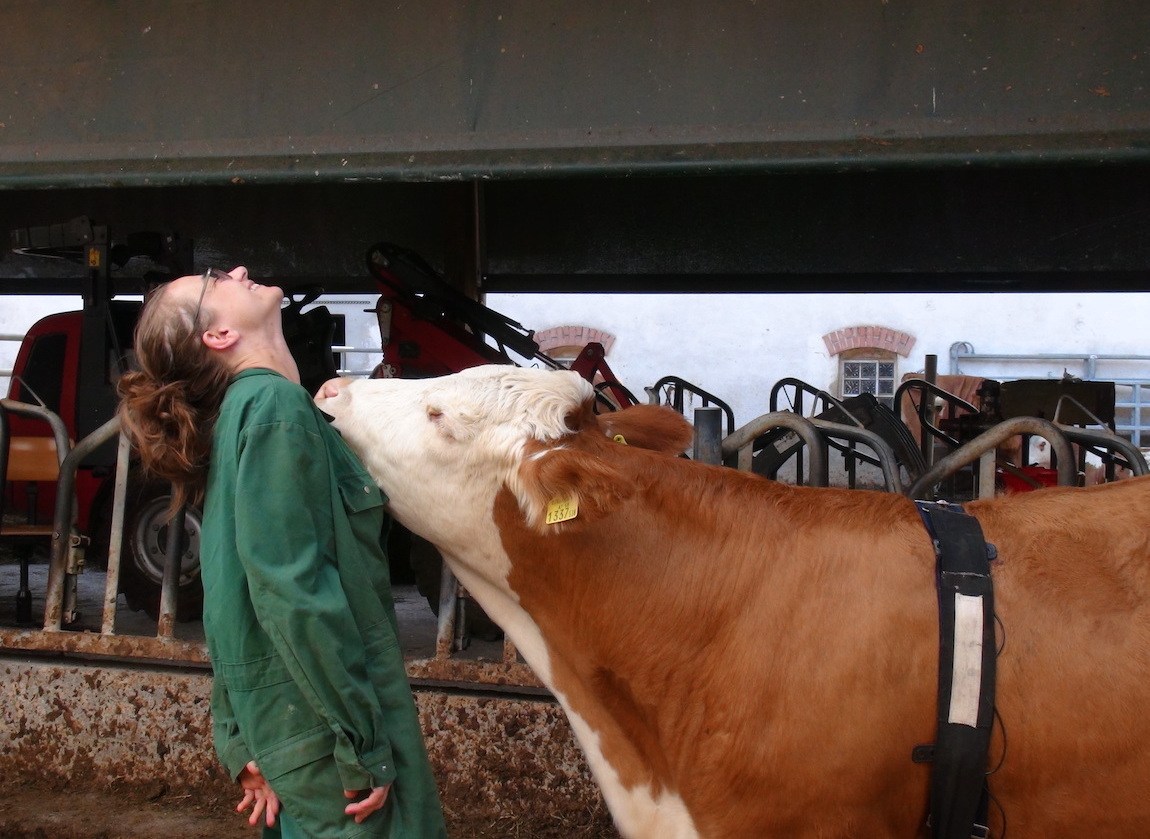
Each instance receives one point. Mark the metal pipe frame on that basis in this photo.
(744, 437)
(51, 637)
(884, 453)
(1108, 440)
(991, 439)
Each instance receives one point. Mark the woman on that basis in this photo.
(312, 712)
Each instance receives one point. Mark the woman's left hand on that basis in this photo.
(258, 795)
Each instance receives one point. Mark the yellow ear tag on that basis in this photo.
(562, 509)
(619, 438)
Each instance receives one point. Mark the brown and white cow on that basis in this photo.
(743, 658)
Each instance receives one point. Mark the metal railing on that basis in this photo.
(447, 666)
(59, 601)
(675, 392)
(6, 373)
(344, 366)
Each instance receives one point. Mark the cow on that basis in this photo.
(740, 657)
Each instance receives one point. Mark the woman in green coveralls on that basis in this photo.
(311, 709)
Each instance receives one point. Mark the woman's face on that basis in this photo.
(239, 296)
(230, 295)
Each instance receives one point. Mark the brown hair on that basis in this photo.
(169, 404)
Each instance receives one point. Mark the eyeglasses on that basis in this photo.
(210, 274)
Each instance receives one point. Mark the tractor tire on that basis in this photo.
(146, 524)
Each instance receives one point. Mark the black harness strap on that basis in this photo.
(966, 672)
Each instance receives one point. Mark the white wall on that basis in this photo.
(737, 346)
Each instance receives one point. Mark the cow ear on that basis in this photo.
(561, 488)
(654, 427)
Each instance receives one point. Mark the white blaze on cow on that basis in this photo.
(743, 658)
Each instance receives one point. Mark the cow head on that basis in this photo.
(442, 448)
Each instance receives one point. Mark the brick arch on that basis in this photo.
(880, 337)
(577, 337)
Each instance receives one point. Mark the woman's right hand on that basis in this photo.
(361, 809)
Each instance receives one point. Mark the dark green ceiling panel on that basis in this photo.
(96, 93)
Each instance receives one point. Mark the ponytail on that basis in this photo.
(170, 403)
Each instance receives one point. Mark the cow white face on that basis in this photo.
(441, 448)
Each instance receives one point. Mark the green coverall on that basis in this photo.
(300, 624)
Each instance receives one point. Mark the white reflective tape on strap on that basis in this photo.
(966, 676)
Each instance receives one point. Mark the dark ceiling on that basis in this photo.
(831, 144)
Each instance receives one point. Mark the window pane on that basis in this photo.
(875, 376)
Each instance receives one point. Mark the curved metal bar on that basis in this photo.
(65, 493)
(923, 384)
(24, 409)
(885, 454)
(990, 439)
(1067, 398)
(920, 409)
(678, 386)
(65, 516)
(745, 436)
(1108, 440)
(817, 393)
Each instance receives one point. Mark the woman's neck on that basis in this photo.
(271, 356)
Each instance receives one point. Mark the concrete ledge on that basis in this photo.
(499, 760)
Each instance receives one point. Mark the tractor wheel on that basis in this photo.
(146, 524)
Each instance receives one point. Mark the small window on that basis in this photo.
(869, 374)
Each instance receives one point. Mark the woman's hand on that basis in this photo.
(258, 795)
(362, 809)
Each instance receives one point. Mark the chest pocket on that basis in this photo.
(356, 487)
(365, 523)
(358, 493)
